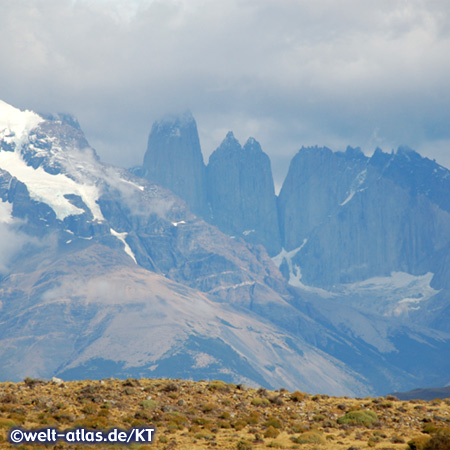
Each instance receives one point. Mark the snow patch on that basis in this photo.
(287, 255)
(51, 189)
(295, 272)
(393, 296)
(247, 232)
(356, 185)
(16, 124)
(175, 224)
(122, 237)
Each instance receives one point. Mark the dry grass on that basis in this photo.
(203, 415)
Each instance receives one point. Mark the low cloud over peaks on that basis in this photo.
(289, 73)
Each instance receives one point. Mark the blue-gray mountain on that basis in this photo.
(103, 273)
(370, 234)
(241, 193)
(174, 159)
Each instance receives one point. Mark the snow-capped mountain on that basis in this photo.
(104, 273)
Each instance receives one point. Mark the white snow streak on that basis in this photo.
(121, 237)
(356, 185)
(295, 272)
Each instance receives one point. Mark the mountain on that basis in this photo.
(174, 160)
(364, 250)
(241, 193)
(352, 218)
(424, 394)
(105, 273)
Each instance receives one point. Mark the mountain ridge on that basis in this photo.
(79, 224)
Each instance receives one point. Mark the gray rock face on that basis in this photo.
(241, 193)
(174, 160)
(318, 180)
(356, 218)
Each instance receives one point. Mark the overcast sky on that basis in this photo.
(364, 73)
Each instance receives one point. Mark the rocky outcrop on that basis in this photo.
(174, 160)
(241, 193)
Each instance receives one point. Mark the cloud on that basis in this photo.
(11, 244)
(289, 73)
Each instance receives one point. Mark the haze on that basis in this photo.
(289, 73)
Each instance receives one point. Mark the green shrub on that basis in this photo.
(319, 418)
(258, 401)
(309, 437)
(273, 421)
(148, 404)
(275, 444)
(360, 417)
(218, 385)
(205, 434)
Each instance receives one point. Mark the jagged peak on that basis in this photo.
(230, 142)
(379, 158)
(229, 145)
(252, 144)
(354, 152)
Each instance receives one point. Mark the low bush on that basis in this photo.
(309, 437)
(360, 417)
(297, 396)
(271, 432)
(258, 401)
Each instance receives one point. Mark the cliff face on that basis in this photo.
(174, 160)
(318, 180)
(356, 218)
(241, 193)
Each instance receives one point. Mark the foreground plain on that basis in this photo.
(203, 415)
